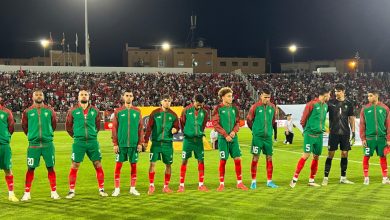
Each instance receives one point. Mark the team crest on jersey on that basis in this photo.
(380, 111)
(134, 115)
(92, 113)
(201, 114)
(223, 111)
(46, 114)
(1, 116)
(158, 116)
(170, 118)
(318, 108)
(270, 111)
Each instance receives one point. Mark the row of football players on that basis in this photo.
(83, 125)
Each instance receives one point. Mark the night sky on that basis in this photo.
(326, 29)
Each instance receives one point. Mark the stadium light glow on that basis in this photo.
(45, 43)
(293, 48)
(166, 46)
(352, 64)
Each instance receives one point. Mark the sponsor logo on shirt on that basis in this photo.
(122, 115)
(46, 114)
(32, 114)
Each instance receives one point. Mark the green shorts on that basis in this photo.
(262, 144)
(193, 144)
(225, 148)
(127, 154)
(5, 157)
(312, 143)
(34, 154)
(161, 150)
(79, 148)
(375, 144)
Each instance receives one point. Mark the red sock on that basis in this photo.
(254, 169)
(100, 177)
(300, 165)
(133, 174)
(365, 165)
(52, 180)
(201, 172)
(183, 170)
(151, 177)
(167, 179)
(384, 166)
(72, 178)
(313, 168)
(29, 179)
(117, 174)
(222, 164)
(270, 169)
(237, 165)
(10, 182)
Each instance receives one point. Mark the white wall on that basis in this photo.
(95, 69)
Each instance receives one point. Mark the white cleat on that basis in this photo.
(366, 181)
(54, 195)
(386, 181)
(345, 181)
(134, 192)
(102, 193)
(116, 192)
(325, 181)
(313, 184)
(26, 197)
(12, 197)
(293, 183)
(70, 195)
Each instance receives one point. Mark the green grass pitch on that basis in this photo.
(335, 201)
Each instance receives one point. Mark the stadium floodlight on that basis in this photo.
(293, 48)
(352, 64)
(166, 46)
(44, 43)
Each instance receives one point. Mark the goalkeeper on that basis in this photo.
(341, 123)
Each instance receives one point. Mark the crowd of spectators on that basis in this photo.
(61, 89)
(301, 87)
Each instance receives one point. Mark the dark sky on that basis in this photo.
(326, 29)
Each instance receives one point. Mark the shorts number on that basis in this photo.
(255, 149)
(30, 161)
(222, 153)
(307, 148)
(151, 156)
(183, 155)
(117, 157)
(72, 156)
(367, 150)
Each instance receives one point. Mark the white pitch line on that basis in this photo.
(294, 152)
